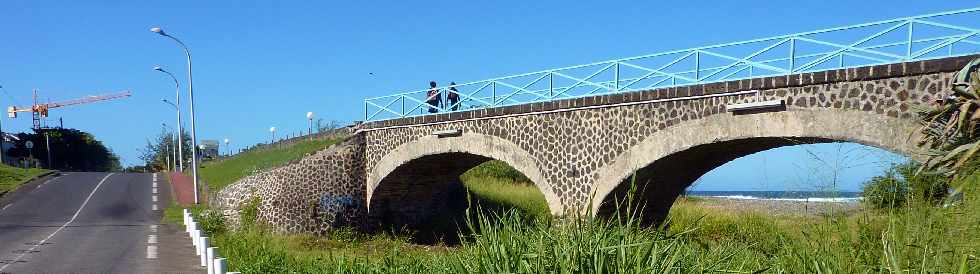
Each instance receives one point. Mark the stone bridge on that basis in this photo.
(581, 153)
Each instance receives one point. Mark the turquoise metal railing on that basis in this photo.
(938, 35)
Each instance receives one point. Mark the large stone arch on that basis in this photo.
(681, 153)
(404, 177)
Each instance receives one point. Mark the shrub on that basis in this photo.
(886, 191)
(924, 186)
(249, 213)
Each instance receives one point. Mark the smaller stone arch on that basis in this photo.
(737, 135)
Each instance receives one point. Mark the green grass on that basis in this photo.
(13, 177)
(220, 174)
(506, 187)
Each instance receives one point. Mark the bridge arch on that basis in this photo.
(426, 168)
(668, 161)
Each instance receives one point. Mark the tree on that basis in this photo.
(71, 150)
(157, 150)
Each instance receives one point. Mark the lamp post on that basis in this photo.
(173, 147)
(309, 116)
(167, 148)
(227, 148)
(273, 130)
(178, 140)
(190, 91)
(176, 106)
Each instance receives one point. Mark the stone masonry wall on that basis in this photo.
(318, 192)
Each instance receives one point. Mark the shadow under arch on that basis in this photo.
(417, 185)
(670, 160)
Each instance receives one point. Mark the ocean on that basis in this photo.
(806, 196)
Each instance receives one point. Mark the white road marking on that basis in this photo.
(151, 239)
(154, 184)
(154, 228)
(5, 207)
(154, 190)
(151, 252)
(155, 198)
(79, 211)
(155, 207)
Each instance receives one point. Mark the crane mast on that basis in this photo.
(39, 110)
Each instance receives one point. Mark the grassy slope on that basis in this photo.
(221, 173)
(12, 177)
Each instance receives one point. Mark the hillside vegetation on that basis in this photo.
(221, 173)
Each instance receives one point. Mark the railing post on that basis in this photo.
(403, 105)
(908, 50)
(493, 93)
(551, 84)
(841, 62)
(616, 77)
(365, 110)
(697, 66)
(792, 55)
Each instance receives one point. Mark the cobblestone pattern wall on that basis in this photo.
(320, 191)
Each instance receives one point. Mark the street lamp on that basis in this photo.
(309, 116)
(174, 145)
(170, 164)
(190, 91)
(227, 148)
(180, 146)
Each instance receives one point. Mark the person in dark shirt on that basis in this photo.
(452, 97)
(433, 98)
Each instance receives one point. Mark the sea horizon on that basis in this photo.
(804, 196)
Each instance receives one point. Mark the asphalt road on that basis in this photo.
(84, 223)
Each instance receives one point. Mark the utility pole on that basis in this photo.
(47, 144)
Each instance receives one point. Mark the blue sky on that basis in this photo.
(266, 63)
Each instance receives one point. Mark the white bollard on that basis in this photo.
(197, 242)
(194, 238)
(186, 215)
(220, 266)
(204, 255)
(212, 253)
(233, 273)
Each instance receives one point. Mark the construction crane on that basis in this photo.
(39, 111)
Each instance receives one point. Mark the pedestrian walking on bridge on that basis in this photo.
(452, 97)
(433, 97)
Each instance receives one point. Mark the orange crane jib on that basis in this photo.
(42, 109)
